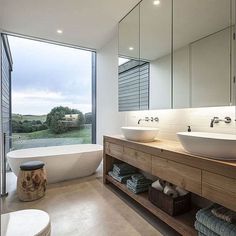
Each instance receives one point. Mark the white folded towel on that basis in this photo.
(158, 185)
(170, 191)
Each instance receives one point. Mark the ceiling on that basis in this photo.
(85, 23)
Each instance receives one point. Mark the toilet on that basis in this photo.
(29, 222)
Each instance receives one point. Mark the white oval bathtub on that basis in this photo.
(61, 162)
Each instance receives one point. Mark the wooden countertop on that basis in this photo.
(173, 150)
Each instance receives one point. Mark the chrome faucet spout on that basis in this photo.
(216, 120)
(139, 121)
(147, 119)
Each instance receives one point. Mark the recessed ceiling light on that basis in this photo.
(59, 31)
(131, 48)
(156, 2)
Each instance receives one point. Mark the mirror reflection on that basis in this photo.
(155, 47)
(202, 31)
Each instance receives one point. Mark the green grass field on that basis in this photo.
(46, 138)
(78, 133)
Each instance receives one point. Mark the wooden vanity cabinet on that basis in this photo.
(211, 179)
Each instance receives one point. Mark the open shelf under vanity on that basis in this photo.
(166, 160)
(182, 224)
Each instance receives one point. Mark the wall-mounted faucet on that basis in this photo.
(147, 119)
(216, 120)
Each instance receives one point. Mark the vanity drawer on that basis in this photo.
(138, 159)
(184, 176)
(219, 189)
(114, 150)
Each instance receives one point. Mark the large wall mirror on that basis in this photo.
(202, 41)
(177, 54)
(133, 72)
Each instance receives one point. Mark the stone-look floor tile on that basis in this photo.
(84, 207)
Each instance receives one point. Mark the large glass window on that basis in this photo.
(51, 94)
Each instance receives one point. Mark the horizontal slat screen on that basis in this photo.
(5, 95)
(134, 86)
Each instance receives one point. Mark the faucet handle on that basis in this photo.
(156, 119)
(146, 118)
(227, 120)
(216, 119)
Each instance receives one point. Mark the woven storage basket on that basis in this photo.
(172, 206)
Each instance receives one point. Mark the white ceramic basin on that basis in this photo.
(140, 134)
(212, 145)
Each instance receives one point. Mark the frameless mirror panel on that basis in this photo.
(233, 67)
(177, 56)
(202, 46)
(155, 48)
(133, 78)
(129, 35)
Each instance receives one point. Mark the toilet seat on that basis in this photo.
(29, 222)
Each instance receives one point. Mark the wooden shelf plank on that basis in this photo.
(184, 224)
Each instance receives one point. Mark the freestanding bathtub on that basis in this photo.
(61, 162)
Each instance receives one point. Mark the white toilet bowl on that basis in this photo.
(26, 222)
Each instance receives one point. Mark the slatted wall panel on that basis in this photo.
(134, 86)
(5, 96)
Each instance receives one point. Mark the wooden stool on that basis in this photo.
(32, 181)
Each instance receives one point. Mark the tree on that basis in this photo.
(38, 122)
(88, 118)
(56, 117)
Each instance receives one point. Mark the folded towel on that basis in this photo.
(170, 191)
(201, 234)
(135, 190)
(138, 177)
(218, 226)
(138, 183)
(121, 179)
(203, 229)
(224, 214)
(123, 168)
(138, 186)
(123, 172)
(158, 185)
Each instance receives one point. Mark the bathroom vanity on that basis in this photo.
(208, 178)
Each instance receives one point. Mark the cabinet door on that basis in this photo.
(184, 176)
(219, 189)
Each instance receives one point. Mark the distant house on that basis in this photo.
(71, 120)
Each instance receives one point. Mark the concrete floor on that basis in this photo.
(86, 207)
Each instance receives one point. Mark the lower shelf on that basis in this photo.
(184, 224)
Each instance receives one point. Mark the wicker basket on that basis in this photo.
(172, 206)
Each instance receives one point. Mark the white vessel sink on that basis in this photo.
(212, 145)
(140, 134)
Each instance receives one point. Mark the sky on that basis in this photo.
(47, 75)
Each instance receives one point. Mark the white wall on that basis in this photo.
(108, 118)
(176, 120)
